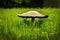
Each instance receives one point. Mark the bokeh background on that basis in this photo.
(13, 27)
(30, 3)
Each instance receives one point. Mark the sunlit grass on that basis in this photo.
(13, 27)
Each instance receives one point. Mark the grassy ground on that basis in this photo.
(14, 28)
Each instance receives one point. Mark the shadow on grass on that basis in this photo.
(38, 23)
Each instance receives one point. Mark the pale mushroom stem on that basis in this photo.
(33, 22)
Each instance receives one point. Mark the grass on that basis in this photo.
(14, 28)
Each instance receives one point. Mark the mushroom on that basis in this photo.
(33, 15)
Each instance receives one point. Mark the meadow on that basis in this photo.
(13, 27)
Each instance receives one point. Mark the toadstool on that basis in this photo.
(33, 15)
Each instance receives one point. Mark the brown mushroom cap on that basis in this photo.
(32, 14)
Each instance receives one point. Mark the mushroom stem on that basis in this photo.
(33, 22)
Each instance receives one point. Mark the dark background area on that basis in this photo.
(31, 3)
(10, 3)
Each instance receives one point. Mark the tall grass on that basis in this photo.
(14, 28)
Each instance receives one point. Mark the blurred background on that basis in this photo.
(30, 3)
(13, 27)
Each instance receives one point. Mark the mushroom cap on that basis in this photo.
(32, 14)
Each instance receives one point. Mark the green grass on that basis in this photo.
(14, 28)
